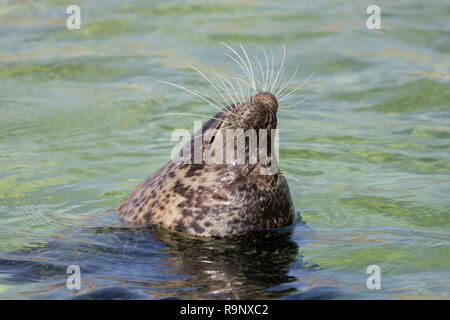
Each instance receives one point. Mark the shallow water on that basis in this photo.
(370, 144)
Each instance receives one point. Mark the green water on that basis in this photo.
(370, 144)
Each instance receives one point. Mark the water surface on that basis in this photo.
(78, 131)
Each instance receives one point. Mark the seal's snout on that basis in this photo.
(259, 112)
(268, 99)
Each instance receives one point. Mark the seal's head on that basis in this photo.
(225, 196)
(247, 127)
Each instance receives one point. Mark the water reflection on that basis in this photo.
(136, 263)
(242, 267)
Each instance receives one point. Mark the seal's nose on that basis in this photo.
(268, 99)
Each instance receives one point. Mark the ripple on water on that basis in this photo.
(368, 148)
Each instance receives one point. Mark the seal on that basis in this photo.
(218, 199)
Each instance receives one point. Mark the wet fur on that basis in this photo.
(216, 200)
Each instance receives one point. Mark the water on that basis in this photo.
(371, 145)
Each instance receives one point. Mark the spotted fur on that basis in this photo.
(216, 200)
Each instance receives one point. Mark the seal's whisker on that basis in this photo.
(288, 111)
(248, 70)
(277, 80)
(189, 114)
(191, 92)
(222, 78)
(211, 83)
(292, 177)
(243, 65)
(294, 104)
(270, 189)
(234, 90)
(201, 135)
(258, 82)
(212, 98)
(249, 86)
(267, 69)
(271, 72)
(280, 71)
(262, 82)
(240, 87)
(251, 69)
(298, 87)
(243, 80)
(279, 92)
(230, 99)
(224, 88)
(246, 93)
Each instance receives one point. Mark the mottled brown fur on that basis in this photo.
(216, 199)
